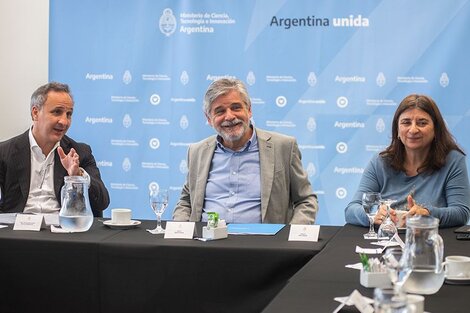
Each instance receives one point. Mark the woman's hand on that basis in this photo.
(415, 209)
(382, 215)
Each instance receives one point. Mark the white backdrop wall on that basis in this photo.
(24, 34)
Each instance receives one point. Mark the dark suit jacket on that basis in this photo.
(15, 174)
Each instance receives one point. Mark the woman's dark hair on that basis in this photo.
(442, 144)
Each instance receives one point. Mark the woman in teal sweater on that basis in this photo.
(423, 168)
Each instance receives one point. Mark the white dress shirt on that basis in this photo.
(41, 197)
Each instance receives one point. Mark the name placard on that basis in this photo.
(304, 233)
(179, 230)
(28, 222)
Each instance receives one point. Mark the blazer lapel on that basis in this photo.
(204, 162)
(266, 159)
(22, 157)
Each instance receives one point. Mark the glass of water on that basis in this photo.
(387, 229)
(397, 267)
(386, 300)
(158, 202)
(370, 203)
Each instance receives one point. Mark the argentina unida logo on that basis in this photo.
(167, 22)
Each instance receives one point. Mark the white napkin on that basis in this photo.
(363, 304)
(357, 266)
(368, 250)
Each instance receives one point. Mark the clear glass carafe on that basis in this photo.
(75, 214)
(424, 250)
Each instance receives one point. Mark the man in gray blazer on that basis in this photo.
(245, 174)
(33, 164)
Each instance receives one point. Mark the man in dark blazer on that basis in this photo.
(245, 174)
(33, 164)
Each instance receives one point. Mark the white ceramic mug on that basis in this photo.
(121, 216)
(457, 266)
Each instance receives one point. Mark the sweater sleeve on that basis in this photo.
(456, 191)
(354, 212)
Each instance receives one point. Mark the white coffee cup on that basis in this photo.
(121, 216)
(415, 303)
(457, 266)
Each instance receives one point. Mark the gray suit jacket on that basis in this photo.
(286, 194)
(15, 174)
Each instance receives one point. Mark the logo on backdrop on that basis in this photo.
(311, 124)
(250, 78)
(380, 125)
(127, 121)
(155, 99)
(341, 193)
(311, 170)
(184, 78)
(281, 101)
(381, 80)
(184, 167)
(127, 77)
(444, 80)
(312, 79)
(154, 143)
(184, 122)
(167, 22)
(153, 186)
(342, 102)
(342, 147)
(126, 165)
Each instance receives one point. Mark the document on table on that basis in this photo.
(254, 229)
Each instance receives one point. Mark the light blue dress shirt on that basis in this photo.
(233, 188)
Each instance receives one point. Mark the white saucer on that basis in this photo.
(457, 280)
(132, 224)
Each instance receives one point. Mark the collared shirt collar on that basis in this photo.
(34, 145)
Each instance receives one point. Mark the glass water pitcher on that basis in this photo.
(424, 251)
(75, 214)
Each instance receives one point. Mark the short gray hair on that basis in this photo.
(39, 97)
(222, 87)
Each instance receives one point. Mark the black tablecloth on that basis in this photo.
(313, 288)
(106, 270)
(45, 272)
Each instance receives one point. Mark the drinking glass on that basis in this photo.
(397, 267)
(386, 300)
(158, 203)
(370, 203)
(387, 229)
